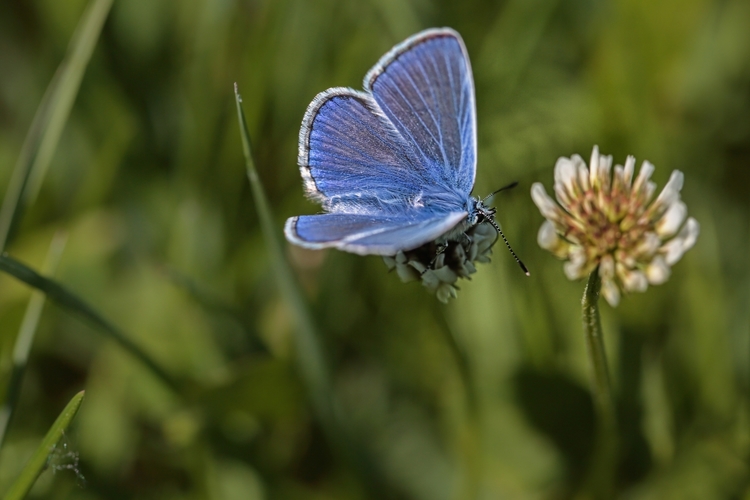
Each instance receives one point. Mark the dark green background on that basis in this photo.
(164, 240)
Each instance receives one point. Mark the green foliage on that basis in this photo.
(485, 397)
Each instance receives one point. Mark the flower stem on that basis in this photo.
(592, 329)
(603, 460)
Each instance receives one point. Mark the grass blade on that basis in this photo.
(49, 121)
(310, 356)
(71, 302)
(26, 338)
(38, 461)
(309, 352)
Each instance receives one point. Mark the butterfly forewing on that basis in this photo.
(426, 89)
(354, 160)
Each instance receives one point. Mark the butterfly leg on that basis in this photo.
(440, 250)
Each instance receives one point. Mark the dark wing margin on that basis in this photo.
(426, 89)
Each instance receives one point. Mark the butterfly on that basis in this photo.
(394, 166)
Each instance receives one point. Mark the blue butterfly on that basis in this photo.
(394, 166)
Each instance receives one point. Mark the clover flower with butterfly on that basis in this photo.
(394, 165)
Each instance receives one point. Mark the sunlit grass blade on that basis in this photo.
(75, 305)
(25, 338)
(49, 121)
(310, 356)
(38, 461)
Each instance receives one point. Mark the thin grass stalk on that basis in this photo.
(68, 300)
(50, 118)
(310, 355)
(25, 337)
(311, 360)
(38, 462)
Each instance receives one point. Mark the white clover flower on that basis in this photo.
(608, 220)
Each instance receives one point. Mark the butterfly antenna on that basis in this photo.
(507, 244)
(509, 186)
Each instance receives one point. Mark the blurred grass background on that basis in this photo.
(148, 182)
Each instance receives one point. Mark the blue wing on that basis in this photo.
(352, 159)
(425, 88)
(369, 234)
(392, 166)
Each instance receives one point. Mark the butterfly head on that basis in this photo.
(479, 212)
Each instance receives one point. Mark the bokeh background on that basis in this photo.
(486, 397)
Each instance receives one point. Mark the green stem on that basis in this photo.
(603, 461)
(592, 329)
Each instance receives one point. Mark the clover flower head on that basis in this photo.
(607, 218)
(441, 263)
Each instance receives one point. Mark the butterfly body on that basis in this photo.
(393, 166)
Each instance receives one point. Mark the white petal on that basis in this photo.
(619, 173)
(605, 172)
(684, 241)
(574, 267)
(546, 205)
(565, 174)
(583, 172)
(547, 236)
(648, 192)
(691, 230)
(573, 270)
(648, 245)
(671, 221)
(658, 271)
(670, 193)
(594, 166)
(634, 280)
(607, 267)
(643, 176)
(566, 182)
(611, 292)
(629, 169)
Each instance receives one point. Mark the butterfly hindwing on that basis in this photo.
(369, 234)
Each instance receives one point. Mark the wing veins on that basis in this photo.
(438, 123)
